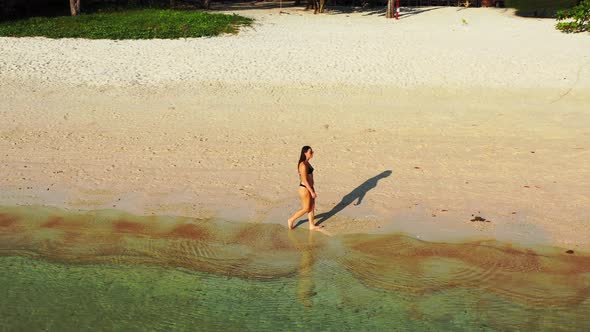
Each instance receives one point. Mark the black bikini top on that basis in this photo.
(309, 168)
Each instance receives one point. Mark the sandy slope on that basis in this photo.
(487, 118)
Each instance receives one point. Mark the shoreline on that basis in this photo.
(24, 221)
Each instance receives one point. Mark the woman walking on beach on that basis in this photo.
(306, 191)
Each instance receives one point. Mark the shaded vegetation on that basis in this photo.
(577, 19)
(128, 24)
(12, 9)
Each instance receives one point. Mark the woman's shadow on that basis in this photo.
(357, 194)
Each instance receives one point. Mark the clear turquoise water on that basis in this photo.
(108, 270)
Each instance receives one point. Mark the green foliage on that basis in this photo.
(130, 24)
(578, 18)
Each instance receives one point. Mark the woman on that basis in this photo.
(306, 191)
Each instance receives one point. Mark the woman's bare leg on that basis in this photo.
(311, 216)
(305, 197)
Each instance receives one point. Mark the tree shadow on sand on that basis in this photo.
(377, 10)
(357, 194)
(355, 7)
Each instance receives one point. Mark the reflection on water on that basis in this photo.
(305, 284)
(107, 269)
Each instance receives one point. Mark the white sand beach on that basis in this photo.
(477, 112)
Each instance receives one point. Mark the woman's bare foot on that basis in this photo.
(313, 227)
(290, 223)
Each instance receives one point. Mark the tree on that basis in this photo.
(390, 13)
(75, 7)
(322, 5)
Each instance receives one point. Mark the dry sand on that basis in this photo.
(485, 118)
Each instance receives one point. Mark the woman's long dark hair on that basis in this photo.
(302, 156)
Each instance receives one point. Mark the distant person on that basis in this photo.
(307, 193)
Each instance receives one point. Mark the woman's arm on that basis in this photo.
(303, 174)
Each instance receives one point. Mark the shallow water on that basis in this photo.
(110, 270)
